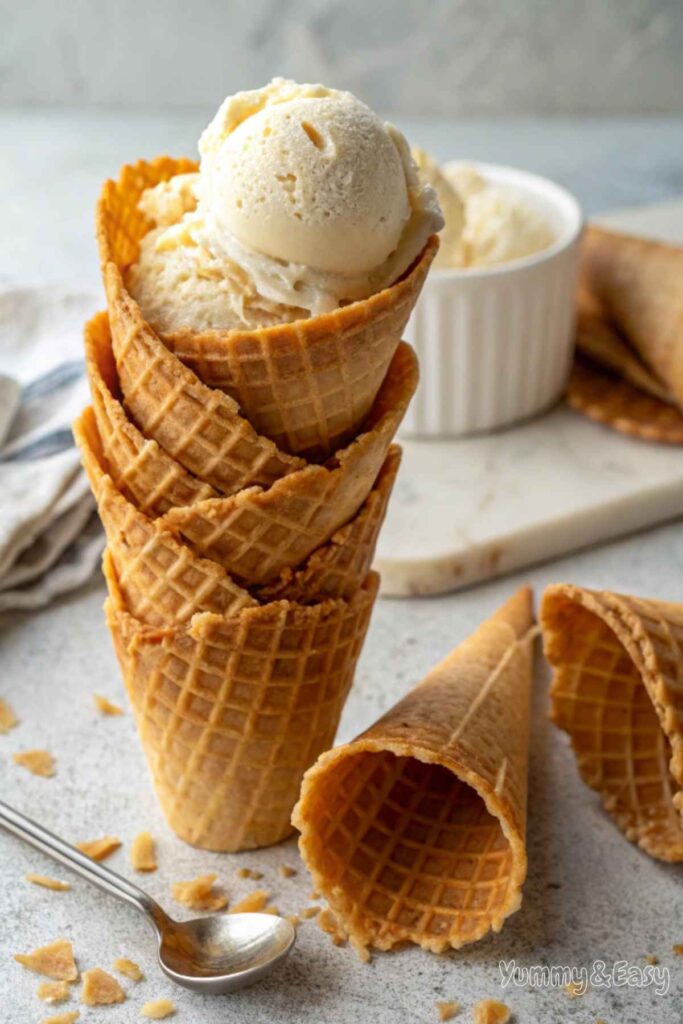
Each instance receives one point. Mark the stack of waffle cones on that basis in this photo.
(242, 478)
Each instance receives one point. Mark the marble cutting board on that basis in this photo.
(465, 511)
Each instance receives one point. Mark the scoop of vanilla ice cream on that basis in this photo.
(304, 195)
(452, 207)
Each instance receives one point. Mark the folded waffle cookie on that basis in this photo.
(415, 831)
(306, 385)
(256, 534)
(617, 690)
(232, 710)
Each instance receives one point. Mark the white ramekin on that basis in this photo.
(495, 344)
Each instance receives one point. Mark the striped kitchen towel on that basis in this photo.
(50, 537)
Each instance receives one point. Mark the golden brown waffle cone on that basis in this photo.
(637, 282)
(597, 339)
(162, 581)
(306, 385)
(415, 831)
(617, 691)
(254, 535)
(231, 712)
(141, 469)
(199, 426)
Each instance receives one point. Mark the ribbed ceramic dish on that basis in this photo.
(495, 344)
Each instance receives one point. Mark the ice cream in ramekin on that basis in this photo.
(494, 327)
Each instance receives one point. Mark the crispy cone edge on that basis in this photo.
(632, 622)
(470, 716)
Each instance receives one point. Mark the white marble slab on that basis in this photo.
(464, 511)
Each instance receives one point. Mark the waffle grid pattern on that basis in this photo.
(606, 697)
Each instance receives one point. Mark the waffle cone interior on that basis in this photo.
(617, 691)
(415, 831)
(307, 385)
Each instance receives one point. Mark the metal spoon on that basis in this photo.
(209, 954)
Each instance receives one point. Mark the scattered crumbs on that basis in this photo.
(362, 952)
(38, 762)
(48, 883)
(314, 894)
(105, 706)
(328, 923)
(129, 968)
(143, 854)
(8, 719)
(650, 959)
(199, 894)
(574, 989)
(490, 1011)
(447, 1010)
(253, 903)
(309, 912)
(600, 1020)
(54, 961)
(99, 849)
(157, 1009)
(294, 920)
(53, 991)
(250, 873)
(678, 948)
(62, 1018)
(100, 989)
(286, 871)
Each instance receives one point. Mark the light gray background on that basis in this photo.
(414, 57)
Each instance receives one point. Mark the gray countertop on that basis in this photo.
(589, 895)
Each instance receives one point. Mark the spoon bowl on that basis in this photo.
(224, 953)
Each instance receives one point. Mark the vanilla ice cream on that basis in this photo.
(304, 200)
(485, 224)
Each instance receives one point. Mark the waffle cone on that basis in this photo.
(308, 385)
(637, 282)
(254, 535)
(231, 711)
(617, 691)
(598, 340)
(415, 831)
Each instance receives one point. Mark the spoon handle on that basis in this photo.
(103, 877)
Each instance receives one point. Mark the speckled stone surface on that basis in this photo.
(589, 895)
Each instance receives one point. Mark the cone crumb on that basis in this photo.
(48, 883)
(53, 991)
(105, 706)
(54, 961)
(678, 948)
(129, 968)
(62, 1018)
(99, 849)
(8, 720)
(143, 853)
(100, 989)
(253, 903)
(650, 959)
(286, 871)
(574, 989)
(362, 952)
(447, 1010)
(314, 894)
(490, 1011)
(328, 923)
(38, 762)
(199, 894)
(249, 873)
(157, 1009)
(294, 920)
(309, 912)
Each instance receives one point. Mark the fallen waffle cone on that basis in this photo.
(308, 385)
(637, 282)
(257, 534)
(162, 581)
(615, 403)
(597, 339)
(415, 831)
(231, 711)
(617, 692)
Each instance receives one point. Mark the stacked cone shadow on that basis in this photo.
(242, 479)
